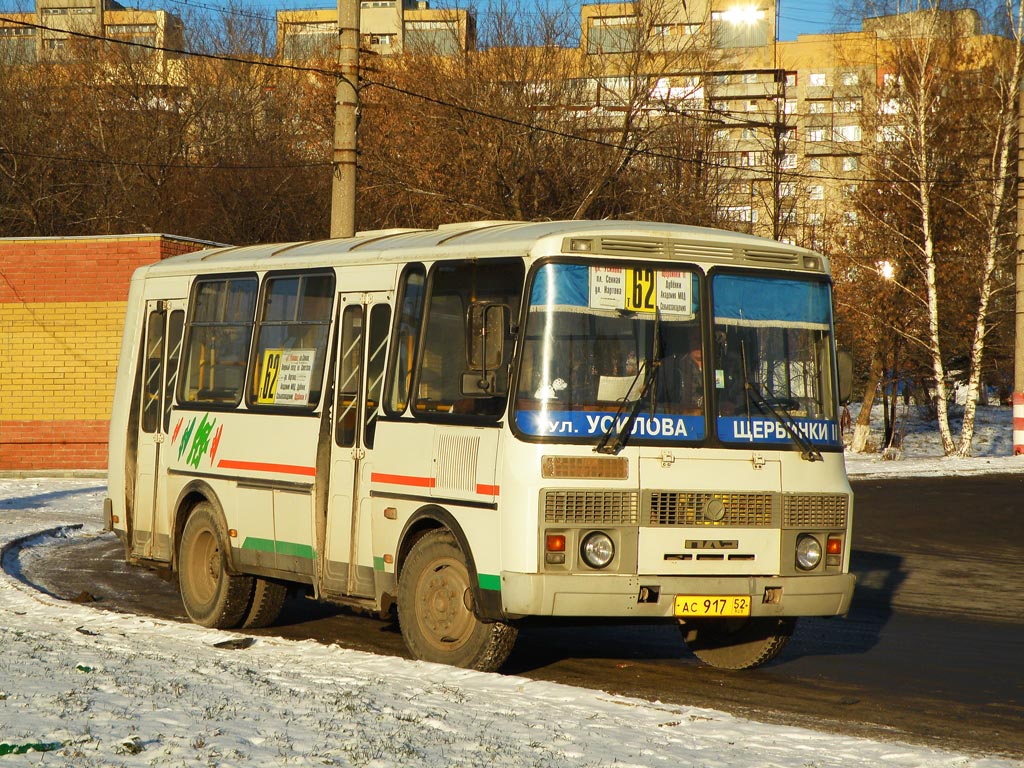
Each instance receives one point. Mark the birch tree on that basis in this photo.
(941, 153)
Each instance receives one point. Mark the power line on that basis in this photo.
(163, 165)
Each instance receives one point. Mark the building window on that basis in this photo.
(817, 79)
(739, 213)
(814, 164)
(750, 78)
(815, 218)
(815, 134)
(790, 107)
(850, 164)
(438, 38)
(816, 192)
(849, 190)
(787, 189)
(788, 162)
(847, 133)
(745, 27)
(791, 79)
(612, 34)
(849, 78)
(850, 218)
(817, 107)
(848, 105)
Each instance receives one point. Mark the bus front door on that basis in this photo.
(365, 321)
(161, 351)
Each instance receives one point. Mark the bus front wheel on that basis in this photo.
(435, 609)
(212, 596)
(738, 643)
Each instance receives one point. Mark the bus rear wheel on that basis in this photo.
(212, 596)
(435, 609)
(738, 643)
(268, 598)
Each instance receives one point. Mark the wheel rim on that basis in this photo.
(204, 568)
(443, 603)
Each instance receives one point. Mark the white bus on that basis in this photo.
(489, 421)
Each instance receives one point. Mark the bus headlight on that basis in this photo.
(808, 552)
(597, 549)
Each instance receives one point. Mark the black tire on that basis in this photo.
(435, 609)
(268, 598)
(738, 643)
(212, 596)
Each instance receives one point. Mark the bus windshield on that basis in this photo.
(773, 360)
(620, 351)
(600, 338)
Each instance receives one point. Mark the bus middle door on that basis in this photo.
(362, 349)
(161, 351)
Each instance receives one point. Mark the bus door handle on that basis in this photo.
(358, 453)
(159, 437)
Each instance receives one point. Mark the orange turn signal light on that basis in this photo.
(555, 542)
(834, 546)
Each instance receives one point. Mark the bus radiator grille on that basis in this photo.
(586, 507)
(752, 510)
(823, 510)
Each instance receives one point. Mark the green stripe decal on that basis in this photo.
(378, 563)
(260, 545)
(287, 548)
(489, 581)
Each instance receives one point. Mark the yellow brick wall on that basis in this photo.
(58, 360)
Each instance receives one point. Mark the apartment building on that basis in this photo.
(47, 33)
(789, 115)
(387, 27)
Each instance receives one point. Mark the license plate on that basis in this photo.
(712, 605)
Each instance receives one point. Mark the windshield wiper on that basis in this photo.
(807, 450)
(648, 368)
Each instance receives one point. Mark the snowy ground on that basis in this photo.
(84, 687)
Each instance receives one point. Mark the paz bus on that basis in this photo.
(471, 425)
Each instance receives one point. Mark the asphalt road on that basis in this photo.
(932, 651)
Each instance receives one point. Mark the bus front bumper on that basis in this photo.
(525, 594)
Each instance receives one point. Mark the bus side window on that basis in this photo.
(154, 372)
(377, 337)
(175, 332)
(350, 368)
(291, 339)
(219, 332)
(407, 333)
(455, 286)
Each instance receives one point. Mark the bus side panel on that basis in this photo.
(452, 468)
(268, 463)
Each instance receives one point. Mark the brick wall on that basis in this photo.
(62, 303)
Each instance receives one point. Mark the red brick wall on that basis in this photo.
(62, 303)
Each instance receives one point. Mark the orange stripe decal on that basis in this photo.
(259, 466)
(487, 490)
(417, 482)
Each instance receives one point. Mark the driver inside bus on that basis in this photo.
(681, 380)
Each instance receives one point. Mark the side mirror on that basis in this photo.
(486, 325)
(844, 362)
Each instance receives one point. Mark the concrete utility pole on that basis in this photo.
(1018, 330)
(346, 113)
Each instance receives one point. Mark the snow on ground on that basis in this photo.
(85, 687)
(921, 450)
